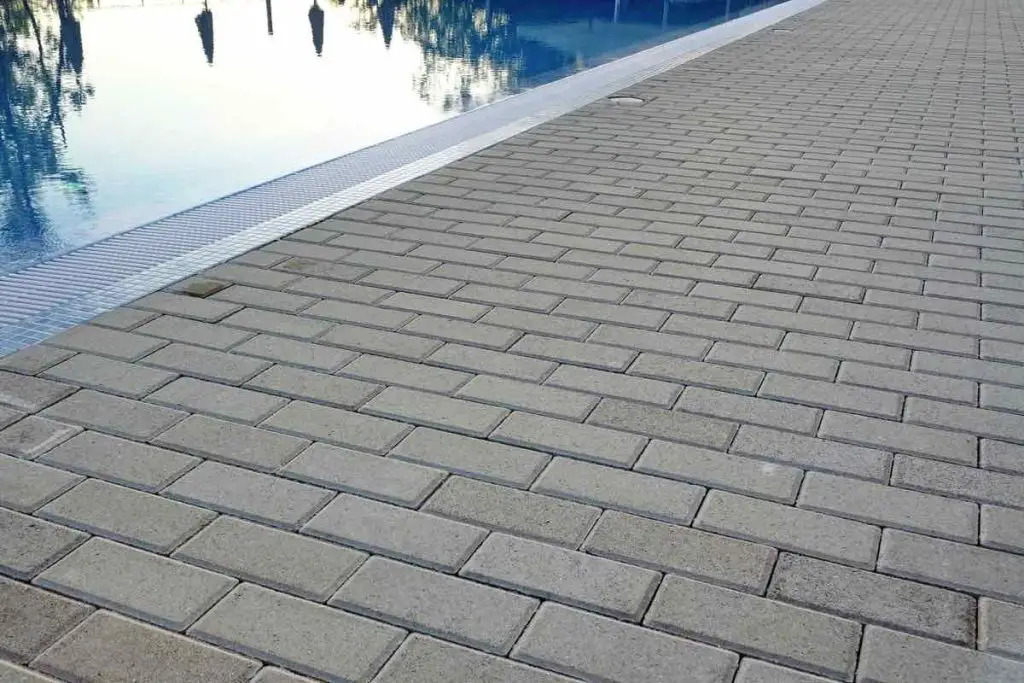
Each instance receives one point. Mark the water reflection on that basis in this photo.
(166, 127)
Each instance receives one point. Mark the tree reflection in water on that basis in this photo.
(40, 79)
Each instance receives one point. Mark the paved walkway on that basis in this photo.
(726, 386)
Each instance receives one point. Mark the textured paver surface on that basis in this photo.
(726, 387)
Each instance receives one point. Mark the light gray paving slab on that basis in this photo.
(582, 441)
(269, 674)
(979, 571)
(142, 585)
(33, 435)
(549, 325)
(277, 559)
(232, 403)
(387, 479)
(260, 497)
(358, 314)
(662, 424)
(995, 455)
(12, 673)
(1002, 528)
(757, 411)
(634, 339)
(114, 415)
(720, 470)
(126, 515)
(1001, 628)
(381, 342)
(889, 506)
(488, 336)
(892, 657)
(907, 438)
(32, 619)
(232, 443)
(109, 647)
(26, 486)
(681, 550)
(264, 298)
(430, 410)
(33, 359)
(597, 648)
(207, 310)
(295, 352)
(9, 416)
(615, 384)
(832, 395)
(402, 373)
(313, 639)
(847, 350)
(472, 457)
(338, 427)
(119, 460)
(755, 671)
(31, 394)
(512, 510)
(255, 320)
(875, 598)
(811, 533)
(31, 545)
(612, 488)
(912, 383)
(171, 328)
(422, 659)
(422, 600)
(765, 628)
(473, 359)
(697, 373)
(105, 342)
(957, 481)
(554, 573)
(390, 530)
(313, 386)
(109, 375)
(527, 396)
(216, 366)
(975, 421)
(578, 353)
(812, 453)
(761, 358)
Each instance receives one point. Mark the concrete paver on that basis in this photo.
(727, 381)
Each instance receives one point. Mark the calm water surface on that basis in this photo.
(116, 113)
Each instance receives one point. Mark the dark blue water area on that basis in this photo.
(114, 114)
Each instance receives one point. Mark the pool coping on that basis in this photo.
(49, 297)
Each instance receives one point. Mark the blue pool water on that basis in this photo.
(114, 113)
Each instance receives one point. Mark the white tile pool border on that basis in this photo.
(54, 295)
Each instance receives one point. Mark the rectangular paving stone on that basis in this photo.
(115, 415)
(277, 559)
(889, 506)
(721, 470)
(630, 316)
(681, 550)
(338, 427)
(892, 657)
(748, 409)
(31, 544)
(534, 398)
(697, 373)
(1002, 528)
(597, 648)
(582, 441)
(913, 383)
(295, 352)
(109, 647)
(989, 423)
(33, 435)
(313, 386)
(611, 488)
(121, 461)
(755, 671)
(970, 368)
(112, 376)
(232, 443)
(386, 479)
(874, 598)
(771, 359)
(26, 486)
(32, 619)
(995, 455)
(926, 441)
(260, 497)
(915, 339)
(125, 515)
(578, 353)
(106, 342)
(407, 282)
(968, 568)
(216, 366)
(33, 359)
(246, 275)
(207, 310)
(567, 576)
(403, 373)
(646, 340)
(496, 463)
(422, 659)
(264, 298)
(957, 481)
(473, 334)
(479, 616)
(615, 384)
(381, 342)
(787, 528)
(473, 359)
(389, 530)
(232, 403)
(357, 314)
(430, 410)
(832, 396)
(112, 575)
(757, 626)
(847, 350)
(514, 511)
(663, 424)
(1001, 628)
(300, 635)
(186, 331)
(31, 393)
(9, 416)
(501, 296)
(812, 453)
(540, 323)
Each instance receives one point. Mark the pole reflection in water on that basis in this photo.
(204, 22)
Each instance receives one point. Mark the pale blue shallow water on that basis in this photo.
(114, 115)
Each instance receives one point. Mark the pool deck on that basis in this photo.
(724, 386)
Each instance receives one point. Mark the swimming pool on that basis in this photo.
(113, 115)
